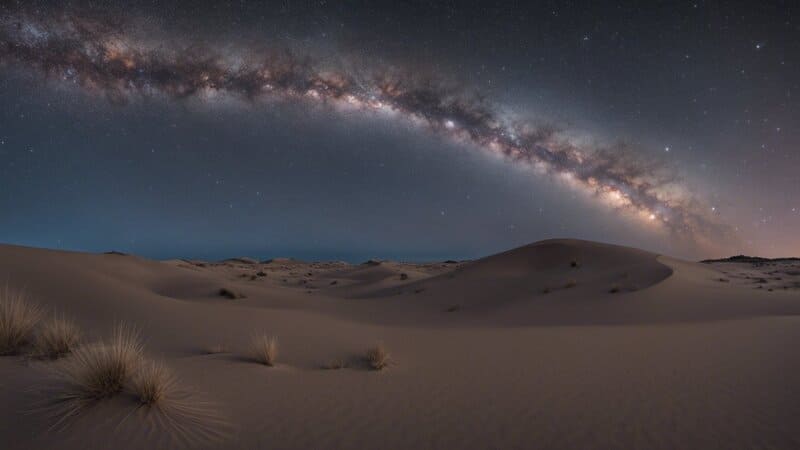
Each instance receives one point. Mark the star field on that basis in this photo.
(350, 130)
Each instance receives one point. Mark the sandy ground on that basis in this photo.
(561, 344)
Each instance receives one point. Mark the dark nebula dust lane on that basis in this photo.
(101, 57)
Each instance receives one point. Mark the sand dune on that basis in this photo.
(558, 344)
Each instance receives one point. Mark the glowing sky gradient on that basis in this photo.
(110, 58)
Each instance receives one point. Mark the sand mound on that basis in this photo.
(584, 271)
(241, 260)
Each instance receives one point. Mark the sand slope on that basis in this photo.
(516, 350)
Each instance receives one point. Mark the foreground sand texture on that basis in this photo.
(561, 344)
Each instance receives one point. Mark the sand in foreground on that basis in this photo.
(560, 344)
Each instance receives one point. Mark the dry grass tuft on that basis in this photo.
(153, 384)
(159, 401)
(570, 284)
(101, 370)
(17, 321)
(163, 401)
(336, 364)
(94, 372)
(57, 337)
(378, 357)
(264, 349)
(231, 294)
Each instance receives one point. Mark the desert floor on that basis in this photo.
(562, 344)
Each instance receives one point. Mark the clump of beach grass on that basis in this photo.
(56, 337)
(94, 372)
(264, 349)
(18, 318)
(231, 293)
(377, 357)
(153, 384)
(336, 364)
(117, 367)
(101, 369)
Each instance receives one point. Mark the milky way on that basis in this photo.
(102, 58)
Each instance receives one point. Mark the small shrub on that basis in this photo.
(153, 383)
(403, 276)
(614, 289)
(17, 321)
(453, 308)
(101, 370)
(377, 357)
(230, 293)
(570, 284)
(573, 263)
(264, 349)
(105, 369)
(546, 290)
(57, 337)
(336, 364)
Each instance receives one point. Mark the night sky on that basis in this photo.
(407, 130)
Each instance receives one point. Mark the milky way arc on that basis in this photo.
(102, 58)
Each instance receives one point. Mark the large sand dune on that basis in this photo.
(562, 344)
